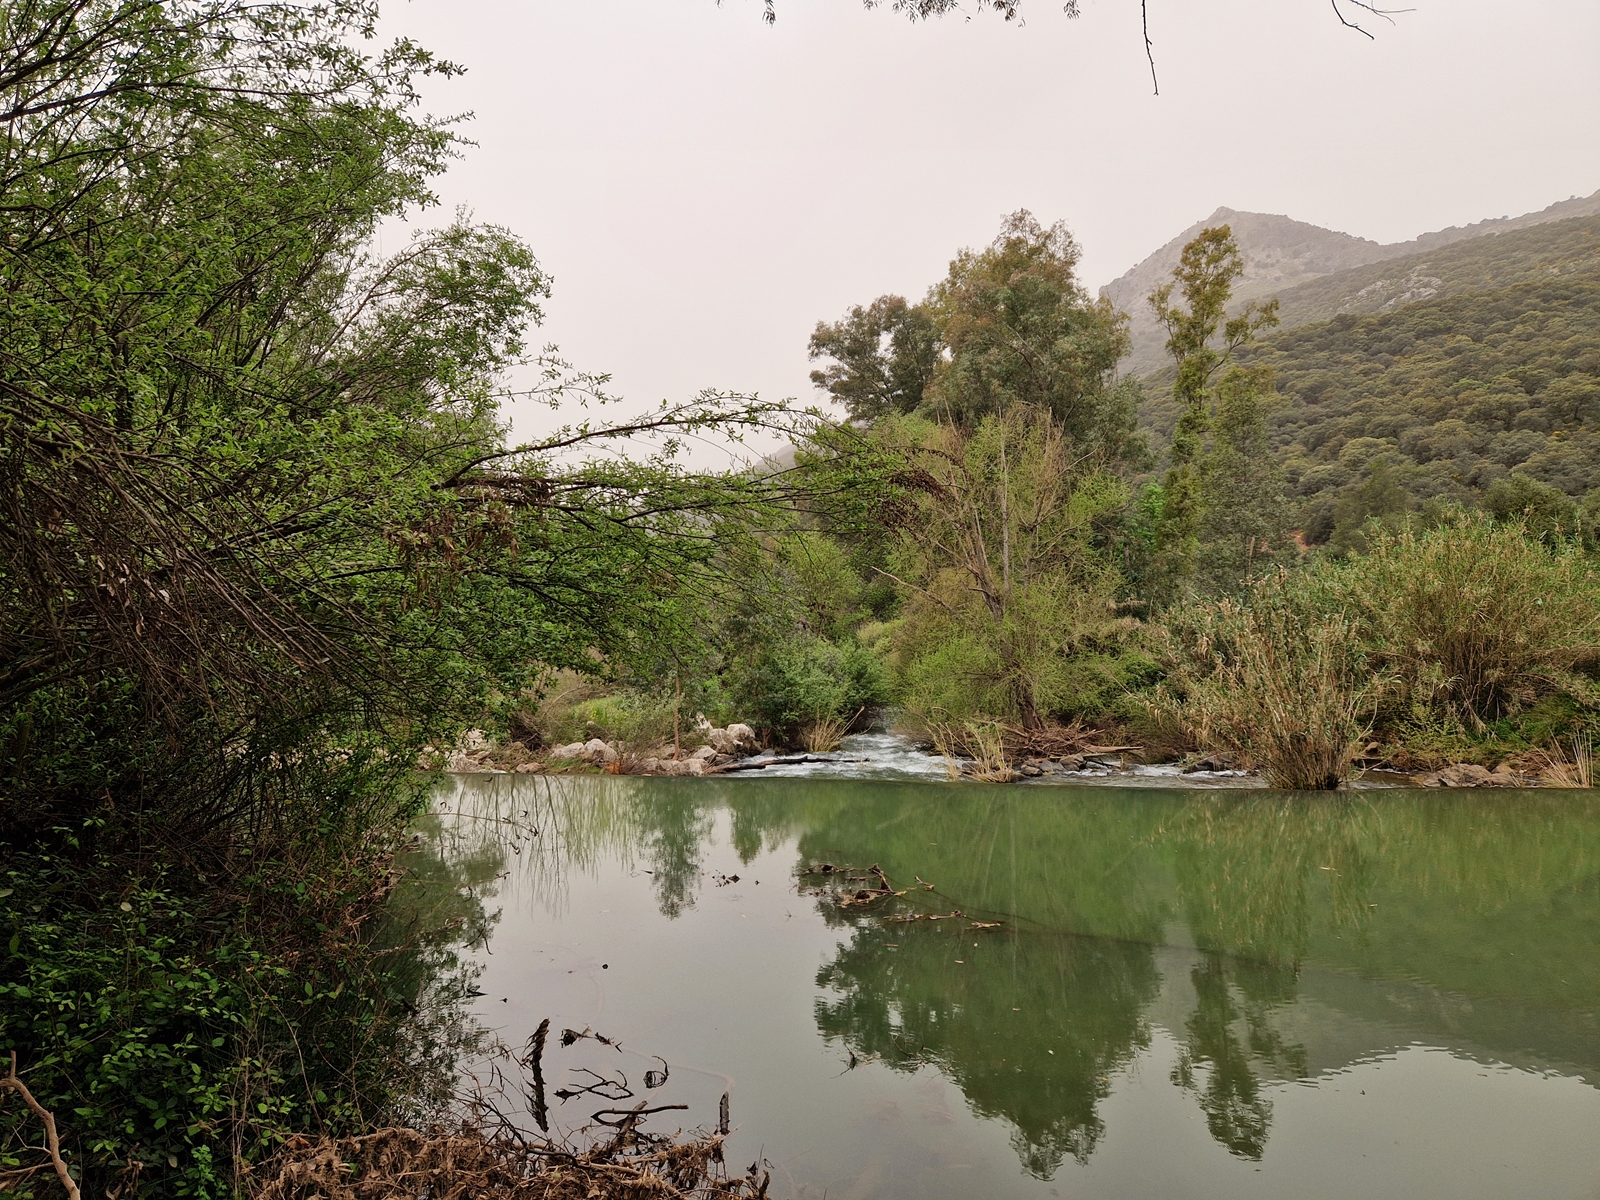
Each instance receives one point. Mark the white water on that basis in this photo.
(881, 754)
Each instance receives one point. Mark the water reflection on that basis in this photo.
(1030, 1028)
(1274, 937)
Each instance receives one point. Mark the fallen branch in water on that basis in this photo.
(52, 1141)
(603, 1086)
(907, 918)
(631, 1116)
(848, 894)
(533, 1062)
(779, 762)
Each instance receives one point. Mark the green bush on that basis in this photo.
(180, 1034)
(1062, 643)
(1475, 621)
(804, 679)
(1438, 639)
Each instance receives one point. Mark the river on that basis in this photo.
(1148, 991)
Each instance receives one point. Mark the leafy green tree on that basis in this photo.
(883, 357)
(1380, 500)
(1219, 485)
(262, 537)
(1008, 325)
(1010, 599)
(1021, 331)
(1244, 514)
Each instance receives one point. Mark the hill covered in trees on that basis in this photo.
(1312, 270)
(1471, 373)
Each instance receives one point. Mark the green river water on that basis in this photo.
(1187, 994)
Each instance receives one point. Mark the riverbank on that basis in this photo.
(883, 753)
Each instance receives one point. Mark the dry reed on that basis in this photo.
(973, 750)
(1576, 772)
(406, 1164)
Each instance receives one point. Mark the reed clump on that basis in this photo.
(1570, 766)
(1474, 621)
(1466, 635)
(973, 749)
(1280, 688)
(827, 730)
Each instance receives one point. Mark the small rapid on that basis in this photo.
(885, 754)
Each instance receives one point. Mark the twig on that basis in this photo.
(52, 1142)
(631, 1114)
(1149, 52)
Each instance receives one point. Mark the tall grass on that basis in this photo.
(1281, 689)
(1575, 772)
(826, 732)
(981, 743)
(1448, 628)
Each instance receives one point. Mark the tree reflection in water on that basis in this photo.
(1029, 1028)
(1485, 907)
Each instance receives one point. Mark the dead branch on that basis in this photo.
(52, 1141)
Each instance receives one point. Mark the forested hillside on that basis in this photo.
(1316, 273)
(1498, 261)
(1495, 374)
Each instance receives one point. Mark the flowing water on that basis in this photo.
(1149, 992)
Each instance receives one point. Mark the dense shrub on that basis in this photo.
(805, 679)
(181, 1032)
(1281, 687)
(1475, 621)
(1066, 646)
(1468, 629)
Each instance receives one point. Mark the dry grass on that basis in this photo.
(1575, 772)
(405, 1164)
(824, 734)
(980, 743)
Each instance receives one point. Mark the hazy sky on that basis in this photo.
(704, 187)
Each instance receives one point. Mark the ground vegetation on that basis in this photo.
(265, 539)
(1042, 573)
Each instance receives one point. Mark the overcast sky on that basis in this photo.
(704, 187)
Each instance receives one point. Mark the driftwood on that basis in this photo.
(1056, 741)
(747, 765)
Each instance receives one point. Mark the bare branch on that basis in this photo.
(52, 1141)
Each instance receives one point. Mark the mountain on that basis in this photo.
(1468, 373)
(1281, 253)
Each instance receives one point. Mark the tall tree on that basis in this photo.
(1021, 330)
(1010, 611)
(1221, 490)
(882, 357)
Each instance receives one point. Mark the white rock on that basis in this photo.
(472, 741)
(598, 752)
(722, 740)
(705, 753)
(744, 738)
(567, 753)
